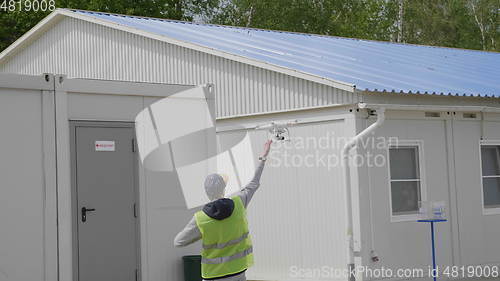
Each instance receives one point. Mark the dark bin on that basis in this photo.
(192, 268)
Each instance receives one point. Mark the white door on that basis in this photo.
(105, 180)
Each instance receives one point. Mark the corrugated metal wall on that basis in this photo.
(86, 50)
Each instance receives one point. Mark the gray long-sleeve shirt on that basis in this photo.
(191, 233)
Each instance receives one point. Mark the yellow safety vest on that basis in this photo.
(227, 248)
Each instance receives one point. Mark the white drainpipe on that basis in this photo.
(347, 181)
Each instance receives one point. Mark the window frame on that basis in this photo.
(423, 188)
(486, 210)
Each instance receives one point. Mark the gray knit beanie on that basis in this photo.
(214, 186)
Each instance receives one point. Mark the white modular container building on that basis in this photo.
(56, 169)
(436, 138)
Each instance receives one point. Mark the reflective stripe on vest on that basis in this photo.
(229, 243)
(227, 248)
(227, 259)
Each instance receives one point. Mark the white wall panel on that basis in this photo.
(103, 107)
(23, 244)
(406, 243)
(297, 216)
(479, 232)
(87, 50)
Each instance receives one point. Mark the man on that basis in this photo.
(222, 226)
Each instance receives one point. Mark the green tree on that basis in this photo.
(486, 17)
(15, 24)
(355, 18)
(472, 24)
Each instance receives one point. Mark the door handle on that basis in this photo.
(84, 213)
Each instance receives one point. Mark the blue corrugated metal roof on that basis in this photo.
(370, 65)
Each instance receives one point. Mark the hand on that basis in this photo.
(267, 147)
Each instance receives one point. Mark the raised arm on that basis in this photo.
(248, 191)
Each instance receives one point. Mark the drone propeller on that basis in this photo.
(278, 130)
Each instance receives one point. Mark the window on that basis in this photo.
(490, 163)
(405, 179)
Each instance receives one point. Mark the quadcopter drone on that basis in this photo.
(278, 131)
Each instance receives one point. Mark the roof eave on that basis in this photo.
(426, 94)
(423, 107)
